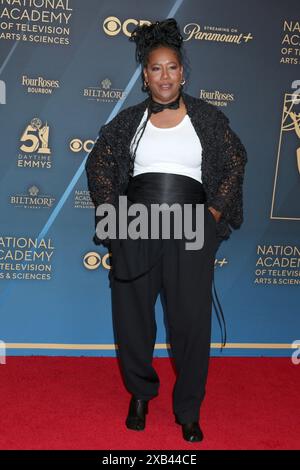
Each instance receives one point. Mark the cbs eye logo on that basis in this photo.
(77, 145)
(112, 25)
(93, 260)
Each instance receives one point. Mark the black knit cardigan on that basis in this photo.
(109, 164)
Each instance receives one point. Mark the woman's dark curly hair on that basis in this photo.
(160, 33)
(147, 38)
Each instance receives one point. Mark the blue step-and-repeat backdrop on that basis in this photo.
(66, 68)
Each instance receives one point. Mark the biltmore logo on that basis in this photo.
(105, 93)
(32, 200)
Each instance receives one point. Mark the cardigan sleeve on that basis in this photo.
(234, 156)
(101, 170)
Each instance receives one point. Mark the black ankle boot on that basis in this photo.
(136, 418)
(191, 432)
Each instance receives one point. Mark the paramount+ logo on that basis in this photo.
(112, 26)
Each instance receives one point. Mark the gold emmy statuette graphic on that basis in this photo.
(38, 135)
(290, 126)
(291, 122)
(296, 119)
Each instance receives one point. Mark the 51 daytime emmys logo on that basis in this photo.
(35, 145)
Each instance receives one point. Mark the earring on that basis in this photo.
(182, 82)
(145, 86)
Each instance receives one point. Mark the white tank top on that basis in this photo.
(169, 150)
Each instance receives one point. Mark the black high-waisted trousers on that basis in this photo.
(184, 280)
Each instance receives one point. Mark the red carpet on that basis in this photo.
(80, 403)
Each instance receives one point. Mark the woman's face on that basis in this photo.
(163, 74)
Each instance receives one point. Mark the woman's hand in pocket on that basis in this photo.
(216, 214)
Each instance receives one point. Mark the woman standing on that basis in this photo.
(170, 148)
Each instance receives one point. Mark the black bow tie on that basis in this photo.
(157, 107)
